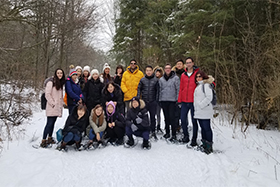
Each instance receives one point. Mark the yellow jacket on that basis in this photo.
(130, 83)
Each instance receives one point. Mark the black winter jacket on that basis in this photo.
(140, 112)
(74, 125)
(118, 118)
(93, 92)
(148, 87)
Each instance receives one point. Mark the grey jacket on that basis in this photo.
(169, 87)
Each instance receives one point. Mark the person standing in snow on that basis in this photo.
(73, 90)
(147, 88)
(137, 123)
(187, 87)
(106, 77)
(112, 92)
(79, 71)
(93, 90)
(97, 126)
(75, 126)
(130, 80)
(168, 94)
(203, 108)
(118, 75)
(158, 73)
(85, 77)
(115, 124)
(54, 96)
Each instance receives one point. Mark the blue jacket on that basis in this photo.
(74, 92)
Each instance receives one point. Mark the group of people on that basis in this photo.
(106, 108)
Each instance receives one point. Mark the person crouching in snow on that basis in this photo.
(137, 123)
(97, 126)
(75, 125)
(115, 124)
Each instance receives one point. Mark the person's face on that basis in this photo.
(135, 104)
(119, 70)
(157, 74)
(107, 71)
(110, 109)
(133, 64)
(95, 76)
(79, 72)
(86, 73)
(179, 65)
(198, 77)
(81, 113)
(59, 74)
(149, 71)
(110, 88)
(98, 111)
(74, 77)
(167, 69)
(189, 63)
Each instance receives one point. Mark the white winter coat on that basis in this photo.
(203, 108)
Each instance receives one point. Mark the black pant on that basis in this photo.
(177, 116)
(152, 108)
(49, 126)
(168, 108)
(115, 132)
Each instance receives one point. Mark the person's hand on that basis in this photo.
(134, 127)
(113, 124)
(110, 125)
(97, 136)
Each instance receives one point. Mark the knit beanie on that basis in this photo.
(78, 67)
(72, 72)
(86, 68)
(106, 65)
(93, 72)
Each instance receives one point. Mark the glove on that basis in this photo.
(138, 120)
(134, 127)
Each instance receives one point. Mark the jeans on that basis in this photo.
(152, 108)
(70, 136)
(184, 120)
(168, 108)
(140, 133)
(49, 127)
(92, 134)
(206, 131)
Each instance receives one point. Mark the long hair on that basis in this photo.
(119, 67)
(94, 116)
(107, 85)
(107, 76)
(58, 83)
(202, 74)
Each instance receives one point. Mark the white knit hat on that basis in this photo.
(106, 65)
(78, 67)
(93, 72)
(86, 68)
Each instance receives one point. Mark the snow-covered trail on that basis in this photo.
(249, 161)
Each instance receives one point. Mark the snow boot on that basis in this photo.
(207, 147)
(129, 143)
(173, 139)
(50, 140)
(119, 142)
(166, 136)
(184, 140)
(146, 144)
(159, 129)
(62, 147)
(44, 143)
(193, 143)
(154, 136)
(78, 146)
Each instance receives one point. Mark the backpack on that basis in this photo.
(214, 98)
(43, 96)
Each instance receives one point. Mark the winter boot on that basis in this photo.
(193, 143)
(119, 142)
(184, 140)
(78, 146)
(62, 147)
(173, 139)
(44, 143)
(166, 136)
(154, 136)
(208, 147)
(130, 142)
(146, 144)
(50, 140)
(159, 129)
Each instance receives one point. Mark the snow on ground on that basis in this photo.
(251, 160)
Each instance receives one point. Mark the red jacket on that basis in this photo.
(187, 86)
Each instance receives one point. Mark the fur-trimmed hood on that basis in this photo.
(160, 69)
(142, 104)
(174, 68)
(210, 80)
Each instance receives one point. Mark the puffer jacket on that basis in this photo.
(54, 99)
(203, 108)
(147, 87)
(187, 86)
(93, 92)
(74, 92)
(140, 112)
(130, 83)
(75, 125)
(169, 87)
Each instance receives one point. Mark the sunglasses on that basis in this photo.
(133, 63)
(198, 76)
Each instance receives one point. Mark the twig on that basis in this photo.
(275, 170)
(269, 155)
(252, 172)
